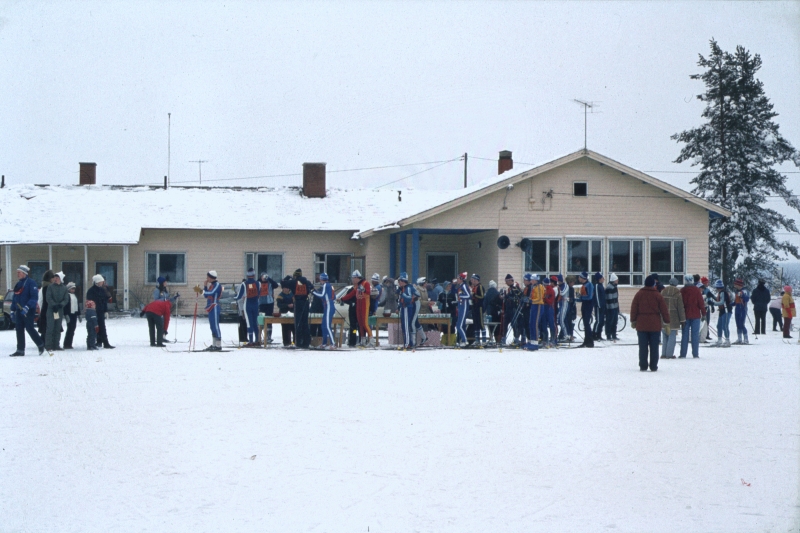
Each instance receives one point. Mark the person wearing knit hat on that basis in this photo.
(284, 301)
(788, 311)
(710, 300)
(586, 296)
(71, 312)
(212, 292)
(101, 296)
(57, 300)
(599, 306)
(669, 331)
(407, 298)
(724, 305)
(547, 322)
(249, 292)
(92, 327)
(612, 307)
(463, 297)
(648, 312)
(694, 311)
(266, 303)
(23, 311)
(301, 289)
(476, 331)
(325, 293)
(562, 306)
(362, 295)
(511, 296)
(376, 294)
(741, 297)
(509, 277)
(491, 308)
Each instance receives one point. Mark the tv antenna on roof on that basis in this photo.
(586, 107)
(200, 168)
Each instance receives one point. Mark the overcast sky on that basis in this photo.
(258, 88)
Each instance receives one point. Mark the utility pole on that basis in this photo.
(169, 138)
(200, 168)
(465, 170)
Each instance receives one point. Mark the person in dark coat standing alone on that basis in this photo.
(648, 313)
(760, 298)
(99, 294)
(23, 311)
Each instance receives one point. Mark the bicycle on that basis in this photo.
(622, 322)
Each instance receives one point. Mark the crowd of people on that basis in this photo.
(540, 313)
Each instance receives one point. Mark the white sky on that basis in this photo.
(258, 88)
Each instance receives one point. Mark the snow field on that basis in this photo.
(138, 439)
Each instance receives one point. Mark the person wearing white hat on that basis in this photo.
(376, 294)
(212, 292)
(23, 311)
(363, 295)
(101, 296)
(57, 300)
(612, 307)
(71, 312)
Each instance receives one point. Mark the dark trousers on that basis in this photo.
(761, 322)
(509, 321)
(25, 323)
(475, 330)
(102, 335)
(302, 331)
(777, 319)
(352, 318)
(588, 334)
(73, 323)
(787, 327)
(612, 317)
(287, 330)
(155, 323)
(648, 340)
(600, 322)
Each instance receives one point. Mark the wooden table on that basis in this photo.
(316, 320)
(444, 321)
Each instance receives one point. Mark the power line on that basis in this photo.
(420, 172)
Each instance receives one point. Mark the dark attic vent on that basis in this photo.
(580, 188)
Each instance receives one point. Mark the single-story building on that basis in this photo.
(582, 211)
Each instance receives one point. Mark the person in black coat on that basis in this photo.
(760, 298)
(47, 279)
(72, 312)
(491, 306)
(100, 295)
(285, 303)
(301, 288)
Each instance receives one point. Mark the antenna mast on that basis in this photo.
(586, 107)
(200, 168)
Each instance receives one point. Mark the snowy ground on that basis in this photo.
(137, 439)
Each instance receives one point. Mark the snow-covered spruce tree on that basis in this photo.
(737, 149)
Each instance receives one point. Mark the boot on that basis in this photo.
(746, 340)
(18, 353)
(107, 346)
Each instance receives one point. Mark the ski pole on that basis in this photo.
(755, 333)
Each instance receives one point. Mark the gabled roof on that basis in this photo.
(501, 184)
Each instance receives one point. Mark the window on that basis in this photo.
(337, 266)
(272, 264)
(580, 188)
(667, 258)
(584, 255)
(543, 256)
(441, 266)
(38, 268)
(172, 266)
(626, 260)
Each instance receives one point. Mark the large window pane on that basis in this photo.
(597, 251)
(678, 256)
(638, 256)
(152, 268)
(272, 264)
(441, 266)
(536, 257)
(619, 257)
(555, 256)
(577, 256)
(661, 257)
(170, 266)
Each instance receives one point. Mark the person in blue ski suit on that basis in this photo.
(599, 306)
(23, 311)
(212, 292)
(376, 294)
(586, 297)
(740, 299)
(407, 302)
(325, 293)
(723, 303)
(464, 297)
(250, 290)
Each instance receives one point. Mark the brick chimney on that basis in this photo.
(314, 180)
(88, 175)
(505, 162)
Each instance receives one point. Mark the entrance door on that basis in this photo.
(73, 271)
(108, 269)
(441, 266)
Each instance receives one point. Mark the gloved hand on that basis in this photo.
(633, 325)
(97, 329)
(24, 311)
(667, 329)
(682, 324)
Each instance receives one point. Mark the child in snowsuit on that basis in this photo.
(740, 300)
(92, 328)
(325, 293)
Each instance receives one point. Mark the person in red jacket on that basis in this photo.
(648, 312)
(361, 293)
(695, 308)
(157, 312)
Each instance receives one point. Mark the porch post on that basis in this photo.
(50, 256)
(402, 237)
(125, 272)
(8, 267)
(86, 283)
(393, 256)
(414, 255)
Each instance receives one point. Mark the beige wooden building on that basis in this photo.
(582, 212)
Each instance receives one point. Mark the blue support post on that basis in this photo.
(393, 256)
(402, 237)
(414, 255)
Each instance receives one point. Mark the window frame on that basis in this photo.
(588, 238)
(672, 240)
(255, 262)
(631, 272)
(574, 183)
(158, 254)
(441, 254)
(28, 264)
(561, 255)
(325, 269)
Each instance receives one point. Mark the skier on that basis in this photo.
(301, 289)
(57, 300)
(249, 291)
(325, 293)
(376, 294)
(101, 297)
(266, 301)
(535, 294)
(710, 299)
(161, 292)
(525, 309)
(586, 297)
(212, 291)
(612, 307)
(464, 296)
(158, 313)
(23, 311)
(599, 306)
(511, 296)
(390, 298)
(722, 301)
(361, 292)
(562, 307)
(547, 321)
(478, 294)
(740, 300)
(407, 302)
